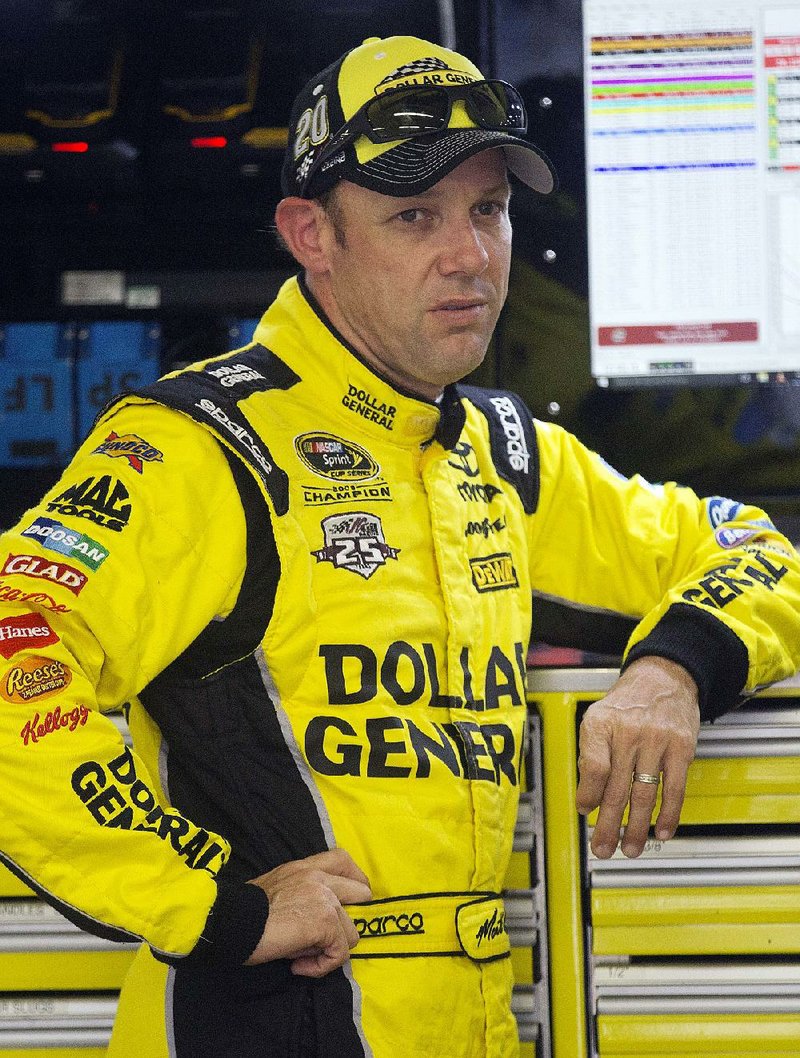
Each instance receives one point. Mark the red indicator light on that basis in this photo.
(209, 141)
(71, 147)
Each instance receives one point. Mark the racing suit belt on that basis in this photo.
(471, 924)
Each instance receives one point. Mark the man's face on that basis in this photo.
(417, 283)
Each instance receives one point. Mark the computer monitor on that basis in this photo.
(692, 140)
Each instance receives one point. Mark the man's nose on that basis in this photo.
(463, 249)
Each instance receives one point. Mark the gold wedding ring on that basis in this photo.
(643, 776)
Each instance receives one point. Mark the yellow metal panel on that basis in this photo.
(56, 1052)
(526, 1050)
(10, 885)
(75, 970)
(740, 790)
(522, 963)
(563, 859)
(700, 920)
(518, 875)
(695, 1035)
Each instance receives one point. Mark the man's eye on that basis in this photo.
(490, 209)
(410, 216)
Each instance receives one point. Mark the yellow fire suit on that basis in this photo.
(316, 592)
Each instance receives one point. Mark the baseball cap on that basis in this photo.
(332, 123)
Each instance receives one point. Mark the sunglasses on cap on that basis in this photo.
(403, 113)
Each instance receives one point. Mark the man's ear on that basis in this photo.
(299, 222)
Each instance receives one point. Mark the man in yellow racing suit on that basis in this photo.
(313, 573)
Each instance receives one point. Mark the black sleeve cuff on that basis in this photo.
(234, 925)
(711, 653)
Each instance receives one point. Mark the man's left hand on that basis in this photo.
(647, 724)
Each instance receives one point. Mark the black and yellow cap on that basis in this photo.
(399, 167)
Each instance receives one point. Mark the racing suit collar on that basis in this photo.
(298, 331)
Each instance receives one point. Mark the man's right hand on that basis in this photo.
(307, 923)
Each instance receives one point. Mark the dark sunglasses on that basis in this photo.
(403, 113)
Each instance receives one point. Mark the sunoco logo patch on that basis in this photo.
(494, 572)
(334, 458)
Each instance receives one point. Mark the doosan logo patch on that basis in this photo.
(27, 631)
(34, 566)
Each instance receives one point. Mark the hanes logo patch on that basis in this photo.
(23, 632)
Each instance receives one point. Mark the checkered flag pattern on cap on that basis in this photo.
(429, 65)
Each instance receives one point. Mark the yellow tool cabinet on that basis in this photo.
(692, 949)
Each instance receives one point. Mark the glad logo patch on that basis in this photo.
(29, 630)
(494, 572)
(34, 678)
(58, 572)
(129, 446)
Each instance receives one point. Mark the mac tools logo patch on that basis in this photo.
(355, 541)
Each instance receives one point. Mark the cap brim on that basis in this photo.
(416, 165)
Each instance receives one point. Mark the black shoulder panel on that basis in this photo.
(513, 440)
(211, 397)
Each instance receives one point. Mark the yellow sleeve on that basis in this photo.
(125, 560)
(708, 582)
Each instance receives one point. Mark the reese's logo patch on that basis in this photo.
(34, 678)
(334, 458)
(493, 572)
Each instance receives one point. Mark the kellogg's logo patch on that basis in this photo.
(29, 630)
(34, 677)
(36, 728)
(129, 446)
(334, 458)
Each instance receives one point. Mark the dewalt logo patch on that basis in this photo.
(493, 572)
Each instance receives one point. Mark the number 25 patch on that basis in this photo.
(356, 542)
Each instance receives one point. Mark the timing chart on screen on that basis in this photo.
(692, 119)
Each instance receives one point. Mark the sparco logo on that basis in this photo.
(102, 500)
(491, 928)
(390, 925)
(239, 432)
(334, 458)
(27, 630)
(517, 449)
(493, 572)
(355, 542)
